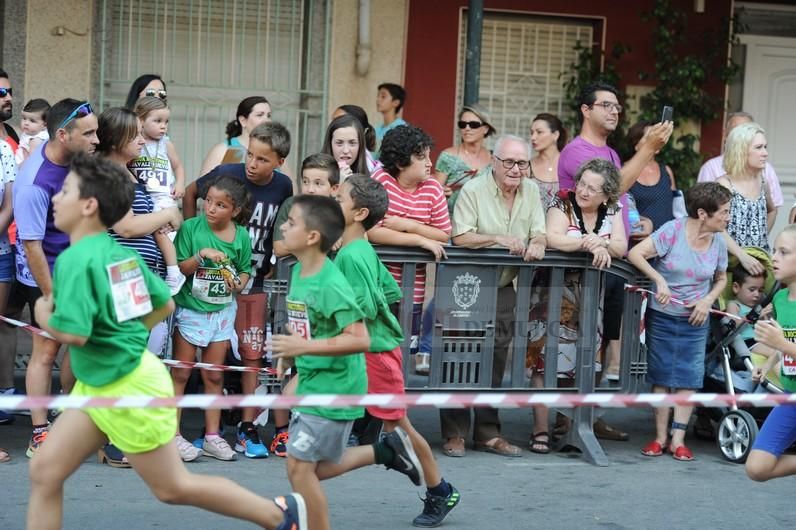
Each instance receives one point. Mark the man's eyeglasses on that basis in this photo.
(81, 111)
(608, 106)
(473, 124)
(151, 92)
(5, 92)
(508, 163)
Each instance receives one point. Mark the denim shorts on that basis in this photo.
(200, 329)
(7, 267)
(675, 351)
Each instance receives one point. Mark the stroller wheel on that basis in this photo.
(735, 435)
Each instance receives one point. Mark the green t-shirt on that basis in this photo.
(205, 290)
(320, 307)
(101, 289)
(281, 218)
(785, 311)
(375, 289)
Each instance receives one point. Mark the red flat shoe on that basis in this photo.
(653, 449)
(682, 453)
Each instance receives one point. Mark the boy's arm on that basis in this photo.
(43, 311)
(158, 315)
(178, 169)
(353, 339)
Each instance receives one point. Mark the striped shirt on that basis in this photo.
(146, 245)
(426, 205)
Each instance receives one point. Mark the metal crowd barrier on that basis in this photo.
(465, 301)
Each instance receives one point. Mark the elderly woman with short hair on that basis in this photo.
(689, 272)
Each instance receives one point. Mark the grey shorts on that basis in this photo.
(314, 438)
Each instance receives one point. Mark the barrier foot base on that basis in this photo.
(581, 436)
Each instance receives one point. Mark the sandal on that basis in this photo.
(653, 449)
(454, 447)
(111, 455)
(682, 453)
(562, 425)
(605, 432)
(4, 456)
(499, 446)
(539, 445)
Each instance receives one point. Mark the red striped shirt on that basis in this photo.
(426, 205)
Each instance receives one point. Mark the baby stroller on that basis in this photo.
(728, 368)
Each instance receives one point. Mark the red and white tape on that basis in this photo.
(638, 289)
(440, 400)
(217, 367)
(168, 362)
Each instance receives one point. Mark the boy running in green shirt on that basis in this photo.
(326, 336)
(104, 302)
(364, 202)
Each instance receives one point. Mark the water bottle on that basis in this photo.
(633, 216)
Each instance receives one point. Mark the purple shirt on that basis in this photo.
(576, 153)
(38, 180)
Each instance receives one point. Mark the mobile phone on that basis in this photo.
(667, 114)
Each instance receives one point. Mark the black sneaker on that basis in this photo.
(406, 460)
(435, 508)
(295, 510)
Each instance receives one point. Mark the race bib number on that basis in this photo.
(209, 286)
(156, 180)
(788, 365)
(128, 289)
(299, 319)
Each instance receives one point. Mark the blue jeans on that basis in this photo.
(427, 332)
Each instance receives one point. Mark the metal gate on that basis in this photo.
(214, 53)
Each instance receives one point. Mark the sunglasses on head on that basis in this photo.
(5, 92)
(81, 111)
(151, 92)
(473, 124)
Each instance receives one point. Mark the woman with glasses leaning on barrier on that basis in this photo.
(458, 164)
(586, 219)
(689, 273)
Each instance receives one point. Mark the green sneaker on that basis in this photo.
(435, 508)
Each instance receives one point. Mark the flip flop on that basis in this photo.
(682, 454)
(499, 447)
(4, 456)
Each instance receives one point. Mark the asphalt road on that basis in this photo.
(534, 491)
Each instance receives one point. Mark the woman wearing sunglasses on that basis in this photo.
(146, 85)
(459, 163)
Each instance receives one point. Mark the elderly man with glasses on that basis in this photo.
(72, 127)
(497, 209)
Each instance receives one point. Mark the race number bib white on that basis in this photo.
(299, 319)
(788, 365)
(209, 286)
(157, 180)
(128, 289)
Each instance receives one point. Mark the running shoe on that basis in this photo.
(35, 441)
(405, 460)
(279, 444)
(435, 508)
(248, 442)
(188, 452)
(422, 362)
(175, 282)
(295, 510)
(219, 449)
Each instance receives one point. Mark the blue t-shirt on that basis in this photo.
(266, 200)
(38, 181)
(382, 129)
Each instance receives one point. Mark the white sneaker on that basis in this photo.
(175, 282)
(218, 448)
(188, 452)
(422, 362)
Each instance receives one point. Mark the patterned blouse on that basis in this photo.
(748, 218)
(459, 173)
